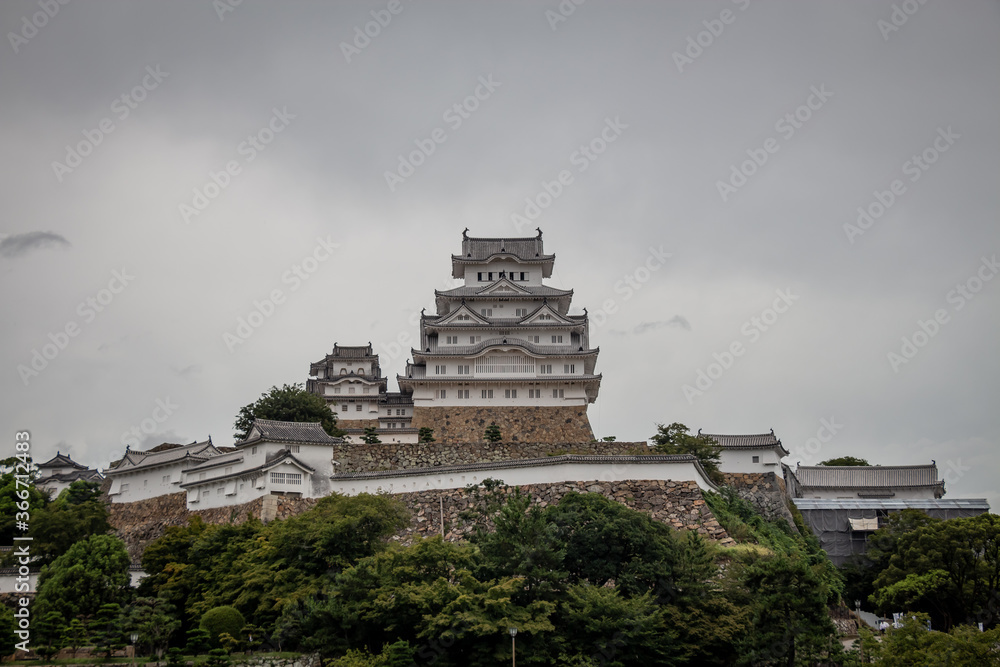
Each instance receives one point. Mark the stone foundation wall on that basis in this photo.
(522, 423)
(397, 456)
(140, 522)
(678, 504)
(764, 490)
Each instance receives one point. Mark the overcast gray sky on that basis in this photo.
(167, 165)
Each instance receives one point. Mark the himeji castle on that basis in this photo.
(503, 347)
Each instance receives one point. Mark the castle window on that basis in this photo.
(756, 459)
(545, 369)
(487, 393)
(350, 390)
(487, 312)
(357, 408)
(452, 340)
(254, 449)
(463, 393)
(336, 390)
(344, 406)
(569, 369)
(557, 339)
(480, 275)
(510, 393)
(294, 449)
(166, 479)
(522, 275)
(533, 339)
(440, 370)
(388, 412)
(442, 393)
(463, 370)
(557, 393)
(520, 312)
(490, 275)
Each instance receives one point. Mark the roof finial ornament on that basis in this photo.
(539, 229)
(772, 431)
(465, 234)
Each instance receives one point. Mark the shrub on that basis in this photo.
(219, 620)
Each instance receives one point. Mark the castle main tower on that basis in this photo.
(503, 347)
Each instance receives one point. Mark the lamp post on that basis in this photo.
(513, 648)
(134, 637)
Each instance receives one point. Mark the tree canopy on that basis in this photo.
(845, 461)
(291, 403)
(675, 439)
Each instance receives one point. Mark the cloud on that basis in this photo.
(16, 245)
(676, 321)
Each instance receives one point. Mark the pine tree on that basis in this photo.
(492, 433)
(426, 434)
(371, 437)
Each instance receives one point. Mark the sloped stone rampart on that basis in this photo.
(678, 504)
(398, 456)
(764, 490)
(521, 423)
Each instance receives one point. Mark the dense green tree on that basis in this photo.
(75, 635)
(222, 620)
(675, 439)
(913, 645)
(426, 434)
(947, 569)
(155, 620)
(290, 403)
(92, 573)
(108, 629)
(370, 436)
(845, 461)
(48, 633)
(522, 543)
(492, 433)
(199, 640)
(607, 543)
(8, 626)
(14, 506)
(77, 513)
(789, 613)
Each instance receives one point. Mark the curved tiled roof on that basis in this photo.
(843, 477)
(535, 348)
(478, 249)
(297, 432)
(61, 460)
(756, 441)
(474, 291)
(140, 460)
